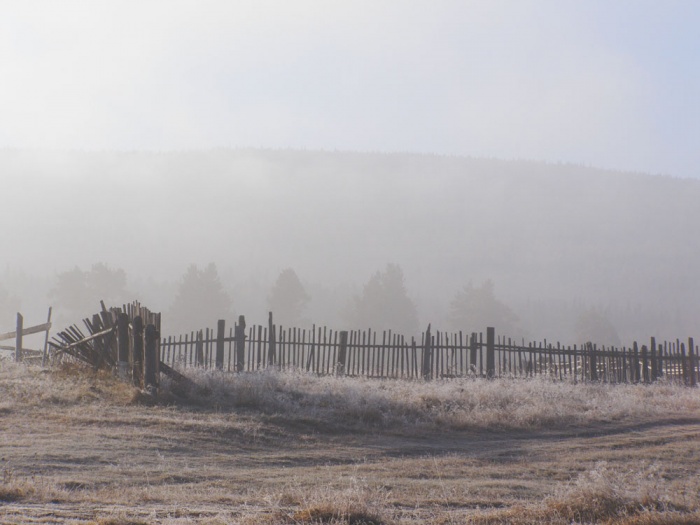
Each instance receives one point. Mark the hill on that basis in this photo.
(556, 239)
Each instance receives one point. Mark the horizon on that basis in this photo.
(293, 150)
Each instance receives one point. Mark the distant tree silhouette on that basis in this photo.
(9, 306)
(384, 304)
(593, 326)
(474, 308)
(78, 293)
(200, 301)
(288, 299)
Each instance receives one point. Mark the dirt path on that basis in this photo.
(165, 465)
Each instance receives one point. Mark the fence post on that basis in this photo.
(272, 343)
(472, 352)
(684, 365)
(635, 357)
(654, 361)
(342, 353)
(123, 346)
(220, 333)
(645, 364)
(151, 359)
(239, 338)
(18, 338)
(45, 356)
(426, 371)
(691, 359)
(593, 366)
(137, 333)
(199, 349)
(490, 352)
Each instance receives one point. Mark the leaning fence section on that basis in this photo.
(125, 339)
(434, 355)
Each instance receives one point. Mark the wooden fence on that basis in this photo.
(18, 336)
(125, 339)
(436, 355)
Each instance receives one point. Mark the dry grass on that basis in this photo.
(70, 384)
(603, 495)
(79, 447)
(455, 404)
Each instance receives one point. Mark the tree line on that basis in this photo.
(200, 297)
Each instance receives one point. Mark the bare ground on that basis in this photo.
(107, 462)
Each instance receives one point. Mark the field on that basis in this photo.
(80, 447)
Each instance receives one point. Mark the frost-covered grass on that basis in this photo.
(272, 447)
(455, 403)
(71, 384)
(500, 404)
(636, 495)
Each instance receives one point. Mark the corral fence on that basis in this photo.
(436, 355)
(18, 335)
(125, 339)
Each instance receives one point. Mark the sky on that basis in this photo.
(611, 84)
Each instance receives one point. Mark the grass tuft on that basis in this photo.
(118, 521)
(13, 494)
(332, 515)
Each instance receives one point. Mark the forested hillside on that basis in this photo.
(557, 241)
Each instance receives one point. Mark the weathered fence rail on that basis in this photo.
(368, 353)
(18, 336)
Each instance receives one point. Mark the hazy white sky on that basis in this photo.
(611, 83)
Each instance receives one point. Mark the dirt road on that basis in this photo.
(187, 465)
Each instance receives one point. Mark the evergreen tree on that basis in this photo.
(384, 304)
(288, 299)
(200, 301)
(9, 306)
(475, 308)
(78, 293)
(593, 326)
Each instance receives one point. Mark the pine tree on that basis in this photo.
(475, 308)
(384, 304)
(200, 301)
(288, 299)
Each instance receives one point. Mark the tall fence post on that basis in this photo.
(426, 368)
(660, 358)
(645, 364)
(199, 349)
(654, 361)
(691, 359)
(593, 365)
(490, 352)
(18, 338)
(137, 334)
(220, 334)
(272, 342)
(123, 346)
(342, 353)
(45, 356)
(239, 338)
(151, 359)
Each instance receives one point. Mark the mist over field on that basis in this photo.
(548, 243)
